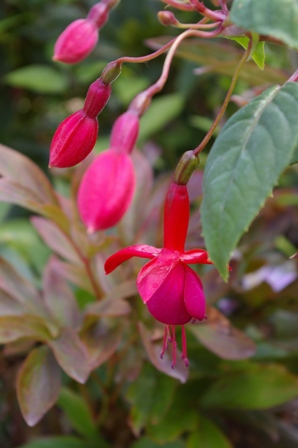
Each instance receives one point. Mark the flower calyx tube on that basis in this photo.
(108, 185)
(75, 137)
(171, 290)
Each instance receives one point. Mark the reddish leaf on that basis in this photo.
(59, 298)
(221, 338)
(38, 384)
(55, 238)
(72, 355)
(9, 306)
(20, 289)
(75, 274)
(18, 168)
(13, 328)
(164, 365)
(108, 308)
(101, 343)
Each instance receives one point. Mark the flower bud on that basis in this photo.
(73, 140)
(97, 97)
(167, 18)
(125, 132)
(106, 190)
(98, 14)
(76, 41)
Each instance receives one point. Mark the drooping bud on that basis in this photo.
(73, 140)
(125, 132)
(97, 97)
(106, 190)
(76, 42)
(75, 137)
(98, 14)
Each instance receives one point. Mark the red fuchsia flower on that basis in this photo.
(107, 187)
(80, 37)
(75, 137)
(171, 290)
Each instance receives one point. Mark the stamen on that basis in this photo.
(174, 346)
(184, 347)
(165, 341)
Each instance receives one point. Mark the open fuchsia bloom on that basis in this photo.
(75, 137)
(107, 187)
(80, 37)
(171, 290)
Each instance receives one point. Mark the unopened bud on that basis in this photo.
(98, 14)
(185, 168)
(140, 103)
(167, 18)
(125, 132)
(76, 42)
(97, 97)
(106, 190)
(73, 140)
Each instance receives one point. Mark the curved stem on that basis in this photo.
(141, 101)
(209, 134)
(147, 58)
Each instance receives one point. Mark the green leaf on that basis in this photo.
(161, 112)
(258, 54)
(77, 413)
(295, 156)
(145, 442)
(38, 78)
(142, 395)
(208, 435)
(256, 387)
(244, 164)
(59, 442)
(72, 355)
(274, 18)
(38, 384)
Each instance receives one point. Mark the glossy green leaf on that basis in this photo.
(71, 354)
(256, 387)
(77, 413)
(59, 442)
(38, 384)
(244, 164)
(208, 435)
(274, 18)
(37, 78)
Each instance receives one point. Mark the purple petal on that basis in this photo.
(167, 304)
(139, 250)
(193, 295)
(195, 256)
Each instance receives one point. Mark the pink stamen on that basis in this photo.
(165, 341)
(173, 347)
(184, 347)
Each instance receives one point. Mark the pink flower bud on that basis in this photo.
(98, 14)
(73, 140)
(125, 132)
(97, 97)
(76, 41)
(106, 190)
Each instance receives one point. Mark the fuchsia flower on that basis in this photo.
(75, 137)
(171, 290)
(80, 37)
(107, 187)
